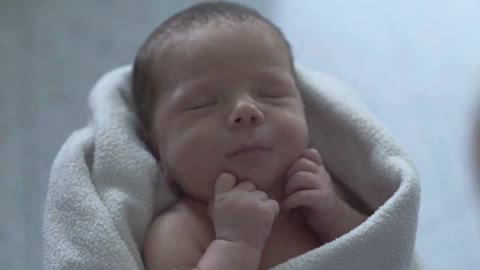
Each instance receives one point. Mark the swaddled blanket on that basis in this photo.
(105, 187)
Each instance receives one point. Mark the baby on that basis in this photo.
(220, 109)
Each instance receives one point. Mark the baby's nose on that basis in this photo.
(245, 114)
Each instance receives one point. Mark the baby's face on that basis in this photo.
(229, 104)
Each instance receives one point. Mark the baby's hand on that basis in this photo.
(240, 213)
(309, 185)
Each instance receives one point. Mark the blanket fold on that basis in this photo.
(105, 187)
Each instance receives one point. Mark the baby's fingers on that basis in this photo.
(302, 164)
(225, 182)
(245, 186)
(262, 196)
(272, 204)
(313, 155)
(301, 180)
(300, 198)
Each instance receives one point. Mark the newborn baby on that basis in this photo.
(220, 109)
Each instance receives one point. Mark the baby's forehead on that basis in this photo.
(177, 38)
(182, 53)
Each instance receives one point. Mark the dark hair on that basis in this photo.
(144, 92)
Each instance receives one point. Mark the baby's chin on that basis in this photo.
(262, 178)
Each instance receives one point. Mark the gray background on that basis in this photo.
(415, 64)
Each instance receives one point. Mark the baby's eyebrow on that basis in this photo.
(188, 88)
(199, 83)
(276, 77)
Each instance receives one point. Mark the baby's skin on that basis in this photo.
(234, 230)
(242, 240)
(230, 131)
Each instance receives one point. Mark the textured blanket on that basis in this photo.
(105, 187)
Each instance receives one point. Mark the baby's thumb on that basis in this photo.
(225, 182)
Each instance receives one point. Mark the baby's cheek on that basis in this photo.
(194, 165)
(291, 139)
(294, 135)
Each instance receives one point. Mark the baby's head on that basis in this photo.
(212, 80)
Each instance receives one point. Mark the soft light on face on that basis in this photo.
(228, 89)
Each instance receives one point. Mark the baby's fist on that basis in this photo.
(309, 184)
(241, 213)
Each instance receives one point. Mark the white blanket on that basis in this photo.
(105, 187)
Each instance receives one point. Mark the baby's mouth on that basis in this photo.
(249, 149)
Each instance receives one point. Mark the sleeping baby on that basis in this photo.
(220, 109)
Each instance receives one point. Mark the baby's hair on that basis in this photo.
(144, 92)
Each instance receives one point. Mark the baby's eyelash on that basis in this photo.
(270, 94)
(201, 105)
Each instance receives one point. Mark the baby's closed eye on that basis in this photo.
(274, 93)
(201, 104)
(270, 93)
